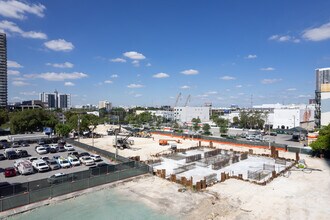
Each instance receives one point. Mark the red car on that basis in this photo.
(10, 171)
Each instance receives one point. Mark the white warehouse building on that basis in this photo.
(186, 114)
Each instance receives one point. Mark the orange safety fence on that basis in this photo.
(218, 142)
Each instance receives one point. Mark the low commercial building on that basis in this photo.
(186, 114)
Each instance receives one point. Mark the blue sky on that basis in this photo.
(146, 52)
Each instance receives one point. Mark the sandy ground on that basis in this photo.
(301, 195)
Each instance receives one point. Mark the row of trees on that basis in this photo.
(323, 141)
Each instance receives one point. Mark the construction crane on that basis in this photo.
(188, 100)
(177, 100)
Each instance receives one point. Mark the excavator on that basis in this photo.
(122, 142)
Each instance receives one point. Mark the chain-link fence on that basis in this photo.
(25, 193)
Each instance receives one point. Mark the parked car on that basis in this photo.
(100, 168)
(53, 149)
(96, 157)
(4, 144)
(40, 165)
(74, 153)
(31, 159)
(41, 142)
(56, 157)
(11, 154)
(250, 137)
(41, 150)
(60, 178)
(60, 148)
(2, 157)
(44, 158)
(68, 147)
(73, 160)
(273, 134)
(25, 144)
(87, 160)
(47, 147)
(64, 163)
(10, 171)
(84, 154)
(16, 162)
(22, 153)
(24, 167)
(53, 165)
(15, 145)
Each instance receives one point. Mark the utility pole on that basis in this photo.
(78, 127)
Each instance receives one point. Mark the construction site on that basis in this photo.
(198, 164)
(217, 165)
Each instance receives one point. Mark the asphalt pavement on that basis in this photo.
(31, 177)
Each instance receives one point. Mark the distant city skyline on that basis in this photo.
(146, 52)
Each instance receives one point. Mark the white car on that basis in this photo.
(64, 163)
(87, 160)
(96, 157)
(40, 165)
(73, 160)
(41, 150)
(17, 162)
(24, 167)
(68, 147)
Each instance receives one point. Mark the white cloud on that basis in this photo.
(161, 75)
(61, 65)
(114, 76)
(20, 83)
(267, 69)
(11, 28)
(32, 93)
(291, 89)
(185, 87)
(69, 84)
(51, 76)
(134, 55)
(228, 78)
(239, 86)
(148, 64)
(135, 86)
(241, 93)
(190, 72)
(108, 81)
(212, 92)
(304, 96)
(13, 72)
(13, 64)
(136, 63)
(284, 38)
(317, 34)
(18, 9)
(34, 35)
(251, 56)
(118, 60)
(270, 81)
(59, 45)
(137, 95)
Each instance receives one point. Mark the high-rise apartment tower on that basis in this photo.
(3, 71)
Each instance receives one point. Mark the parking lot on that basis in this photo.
(36, 176)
